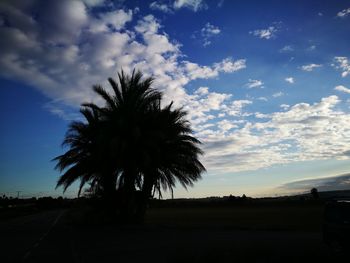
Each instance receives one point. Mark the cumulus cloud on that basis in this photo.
(114, 20)
(285, 106)
(287, 48)
(194, 5)
(343, 64)
(161, 7)
(93, 3)
(342, 89)
(202, 91)
(228, 65)
(267, 33)
(226, 125)
(167, 7)
(64, 60)
(207, 32)
(97, 44)
(254, 83)
(344, 13)
(262, 99)
(299, 133)
(278, 94)
(236, 107)
(289, 80)
(310, 67)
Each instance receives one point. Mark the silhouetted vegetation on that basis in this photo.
(314, 193)
(13, 207)
(131, 148)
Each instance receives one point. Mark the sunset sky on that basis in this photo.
(266, 85)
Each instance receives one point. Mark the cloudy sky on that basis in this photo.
(266, 84)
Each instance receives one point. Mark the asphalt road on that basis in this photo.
(47, 237)
(21, 236)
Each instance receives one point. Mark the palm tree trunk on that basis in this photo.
(109, 190)
(128, 195)
(143, 201)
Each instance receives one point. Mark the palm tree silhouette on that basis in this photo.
(81, 160)
(172, 153)
(131, 143)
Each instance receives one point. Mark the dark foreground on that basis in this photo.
(191, 234)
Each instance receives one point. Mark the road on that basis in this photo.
(23, 235)
(47, 237)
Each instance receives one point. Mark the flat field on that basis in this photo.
(178, 233)
(291, 217)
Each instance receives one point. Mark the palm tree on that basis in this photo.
(131, 143)
(124, 119)
(172, 154)
(83, 160)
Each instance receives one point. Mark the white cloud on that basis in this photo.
(209, 31)
(262, 99)
(195, 71)
(344, 13)
(287, 48)
(342, 89)
(267, 33)
(343, 64)
(161, 7)
(311, 48)
(289, 80)
(101, 45)
(202, 91)
(310, 67)
(285, 106)
(226, 125)
(301, 132)
(278, 94)
(261, 115)
(114, 20)
(193, 5)
(93, 3)
(66, 65)
(235, 108)
(227, 65)
(148, 25)
(73, 13)
(254, 83)
(56, 108)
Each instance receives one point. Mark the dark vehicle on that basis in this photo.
(336, 228)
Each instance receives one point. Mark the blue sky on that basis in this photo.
(266, 85)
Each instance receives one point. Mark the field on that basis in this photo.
(268, 232)
(244, 217)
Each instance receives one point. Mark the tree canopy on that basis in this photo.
(130, 143)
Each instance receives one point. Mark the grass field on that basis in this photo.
(273, 232)
(271, 217)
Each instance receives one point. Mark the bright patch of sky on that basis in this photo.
(263, 89)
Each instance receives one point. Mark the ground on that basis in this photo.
(234, 233)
